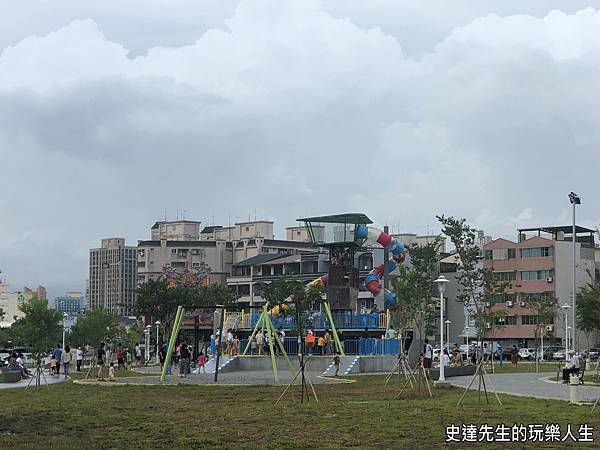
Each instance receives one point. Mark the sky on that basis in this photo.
(114, 114)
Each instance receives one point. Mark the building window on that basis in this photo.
(505, 276)
(298, 233)
(488, 254)
(247, 228)
(503, 298)
(529, 320)
(536, 252)
(535, 275)
(194, 252)
(507, 320)
(537, 296)
(512, 253)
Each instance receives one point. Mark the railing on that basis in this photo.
(364, 347)
(319, 320)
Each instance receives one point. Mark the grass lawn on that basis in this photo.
(357, 415)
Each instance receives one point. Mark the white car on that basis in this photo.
(527, 353)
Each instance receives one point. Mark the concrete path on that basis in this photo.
(24, 383)
(530, 385)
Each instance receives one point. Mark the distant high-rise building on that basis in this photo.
(71, 302)
(113, 276)
(10, 302)
(39, 292)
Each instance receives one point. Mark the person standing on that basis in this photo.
(66, 359)
(57, 356)
(101, 361)
(121, 355)
(427, 356)
(391, 333)
(260, 342)
(321, 345)
(138, 355)
(514, 355)
(184, 360)
(79, 357)
(445, 358)
(200, 362)
(336, 362)
(309, 340)
(327, 339)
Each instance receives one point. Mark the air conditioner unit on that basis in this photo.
(487, 304)
(488, 325)
(549, 327)
(549, 279)
(509, 303)
(522, 304)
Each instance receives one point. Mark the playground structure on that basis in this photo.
(342, 235)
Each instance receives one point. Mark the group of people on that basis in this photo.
(60, 357)
(16, 361)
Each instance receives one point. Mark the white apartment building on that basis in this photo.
(113, 277)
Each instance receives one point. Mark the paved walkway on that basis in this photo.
(530, 385)
(24, 383)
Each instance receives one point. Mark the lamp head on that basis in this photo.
(441, 282)
(574, 199)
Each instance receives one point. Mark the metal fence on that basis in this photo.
(371, 346)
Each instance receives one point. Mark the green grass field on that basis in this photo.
(357, 415)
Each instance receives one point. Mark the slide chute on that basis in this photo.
(397, 255)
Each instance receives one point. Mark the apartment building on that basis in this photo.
(112, 276)
(538, 265)
(71, 302)
(10, 302)
(241, 230)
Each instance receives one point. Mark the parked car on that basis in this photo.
(464, 350)
(592, 353)
(549, 351)
(559, 354)
(527, 353)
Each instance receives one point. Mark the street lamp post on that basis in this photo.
(566, 307)
(147, 332)
(448, 335)
(157, 323)
(575, 200)
(441, 284)
(65, 315)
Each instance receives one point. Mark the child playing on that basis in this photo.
(336, 362)
(52, 366)
(321, 345)
(200, 361)
(111, 372)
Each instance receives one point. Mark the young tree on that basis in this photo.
(587, 311)
(40, 329)
(545, 310)
(477, 286)
(414, 290)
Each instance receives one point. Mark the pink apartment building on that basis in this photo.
(540, 264)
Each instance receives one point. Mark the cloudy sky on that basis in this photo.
(112, 113)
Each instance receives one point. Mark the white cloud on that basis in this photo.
(292, 108)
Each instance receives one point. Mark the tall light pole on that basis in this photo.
(65, 315)
(448, 335)
(441, 284)
(147, 333)
(157, 323)
(575, 200)
(566, 307)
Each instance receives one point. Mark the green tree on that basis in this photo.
(41, 328)
(159, 301)
(302, 299)
(478, 287)
(545, 310)
(414, 290)
(95, 326)
(587, 311)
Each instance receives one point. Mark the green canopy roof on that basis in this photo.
(354, 218)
